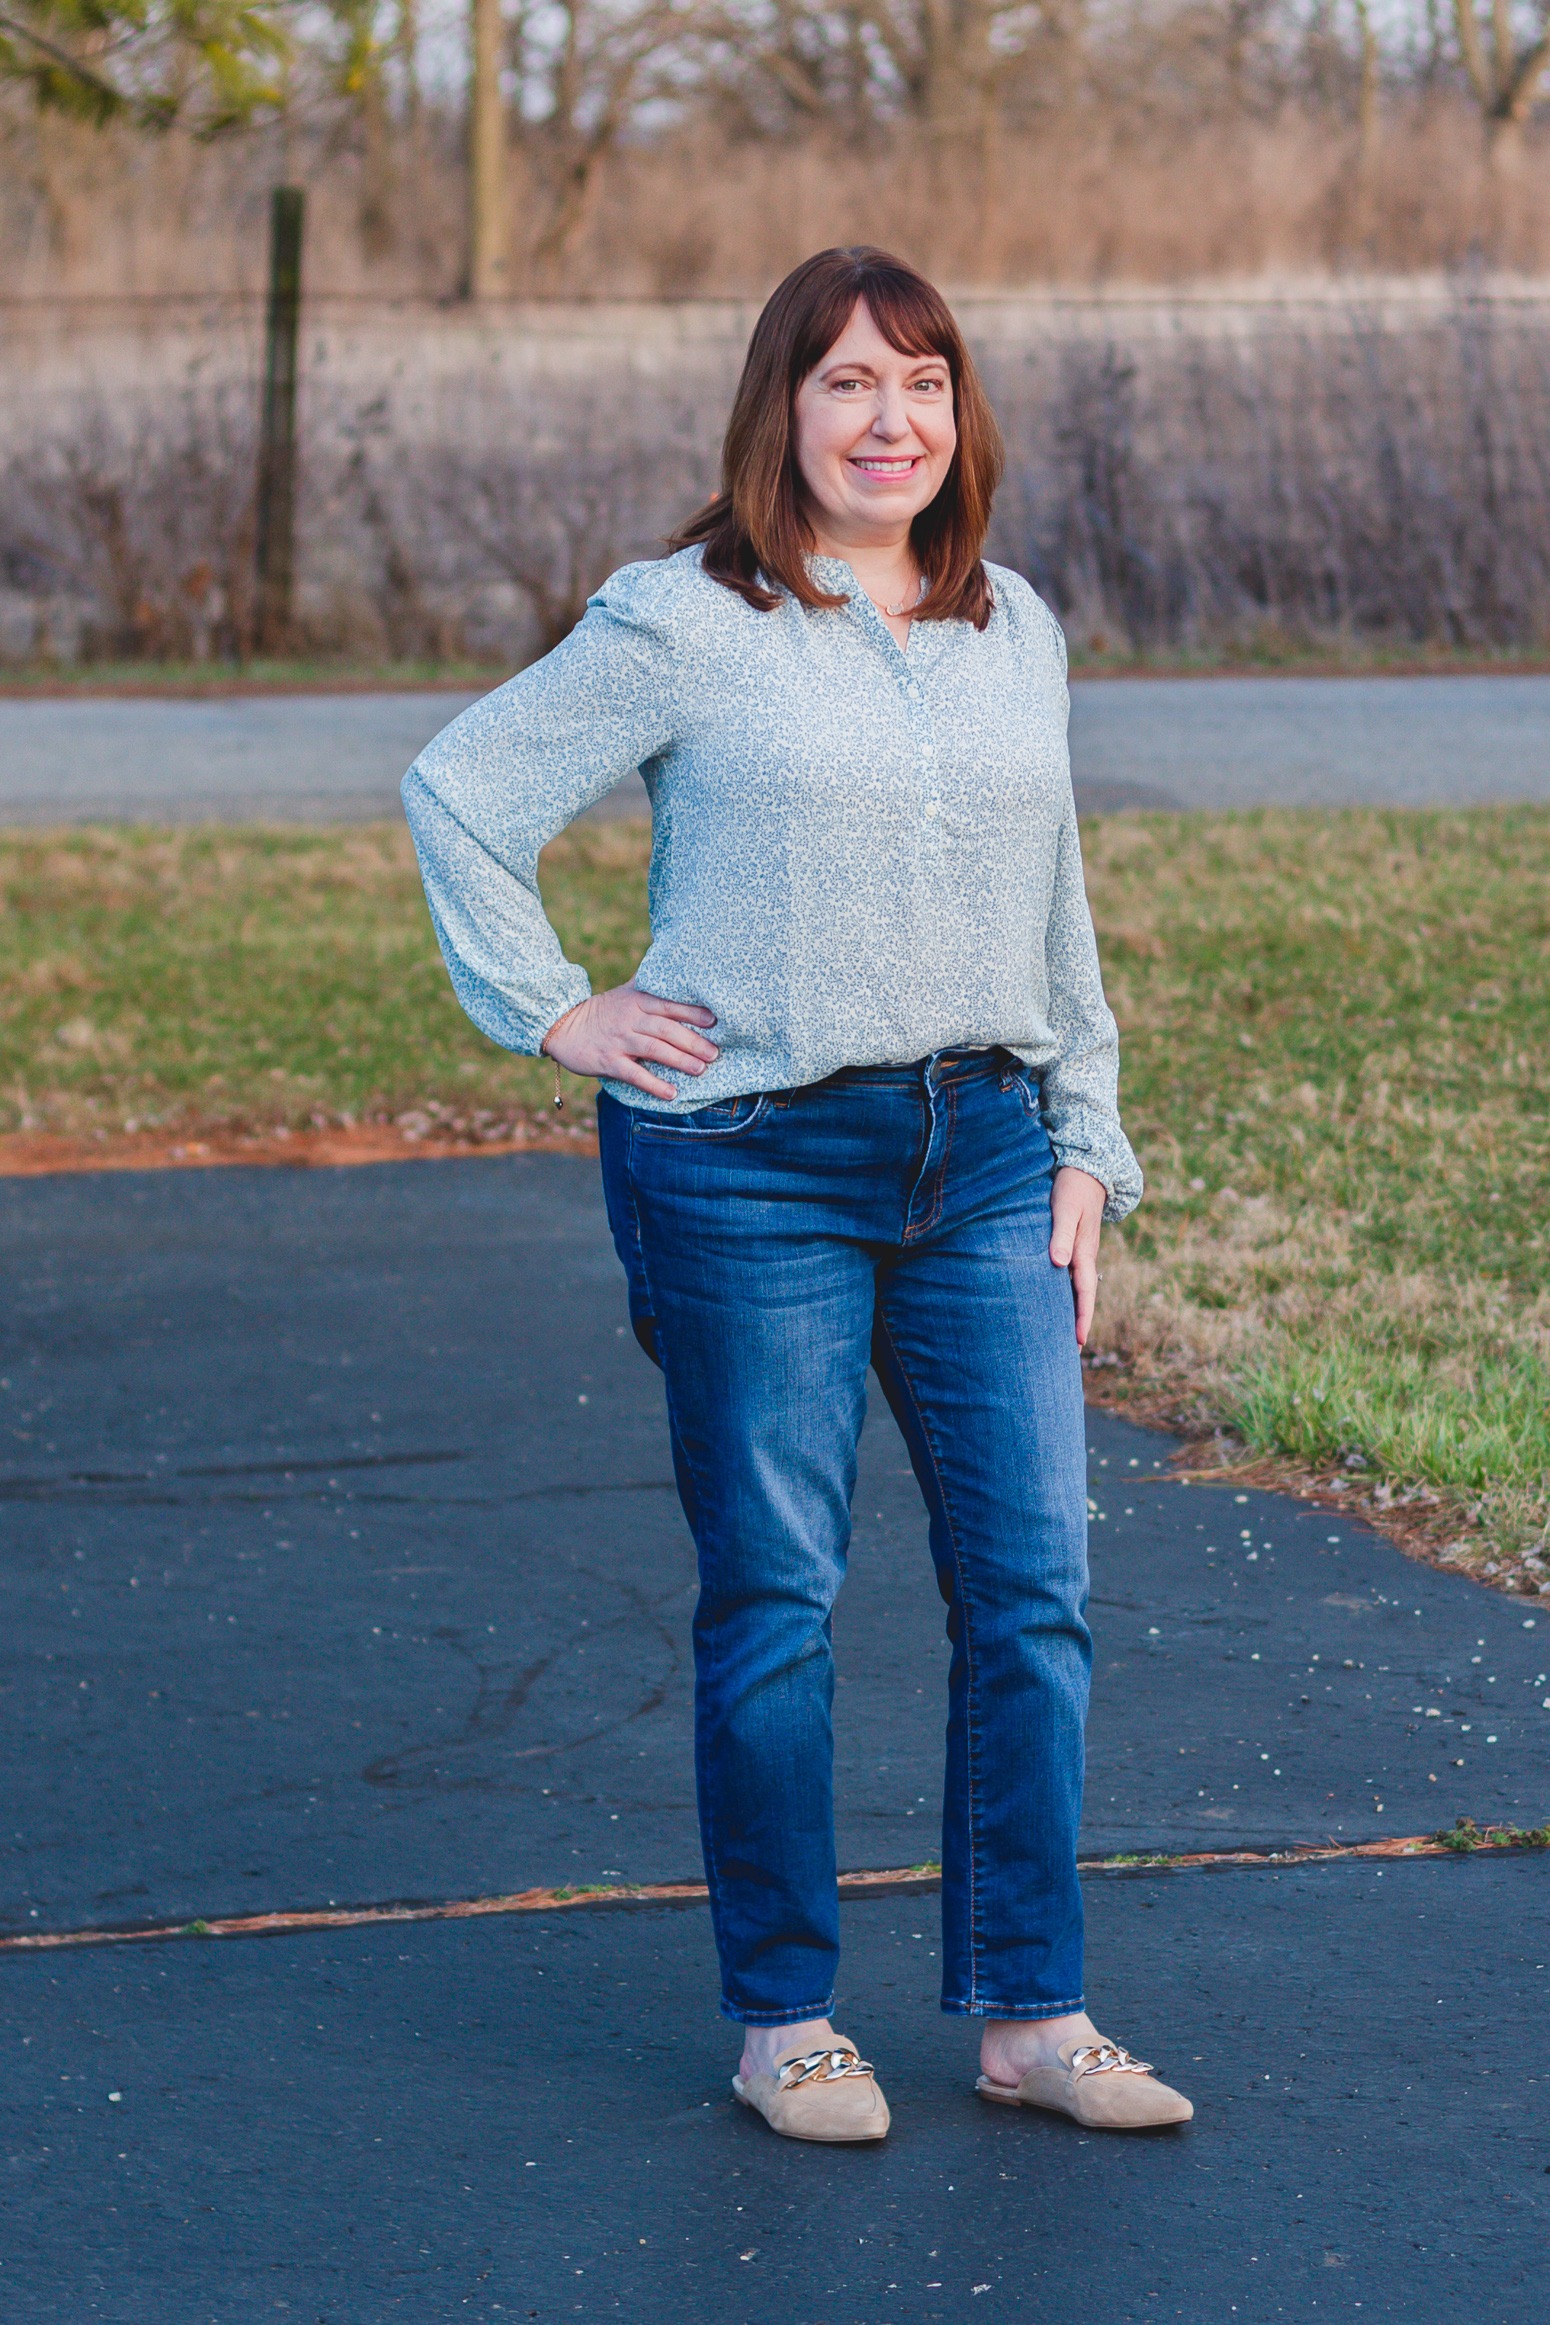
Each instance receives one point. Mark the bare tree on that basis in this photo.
(1506, 73)
(588, 67)
(489, 201)
(357, 53)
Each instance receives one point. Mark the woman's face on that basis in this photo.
(875, 437)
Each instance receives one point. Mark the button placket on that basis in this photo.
(926, 773)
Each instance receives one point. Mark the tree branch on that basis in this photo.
(100, 88)
(1524, 85)
(1473, 53)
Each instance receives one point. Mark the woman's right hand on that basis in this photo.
(612, 1034)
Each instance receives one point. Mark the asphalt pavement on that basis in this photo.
(1165, 743)
(342, 1565)
(517, 2120)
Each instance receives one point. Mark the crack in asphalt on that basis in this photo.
(878, 1882)
(85, 1488)
(502, 1695)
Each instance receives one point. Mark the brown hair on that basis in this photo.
(754, 533)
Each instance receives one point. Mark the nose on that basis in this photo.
(892, 419)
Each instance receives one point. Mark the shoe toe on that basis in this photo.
(844, 2112)
(1128, 2103)
(852, 2110)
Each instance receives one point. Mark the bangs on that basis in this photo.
(907, 321)
(911, 315)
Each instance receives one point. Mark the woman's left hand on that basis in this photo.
(1076, 1219)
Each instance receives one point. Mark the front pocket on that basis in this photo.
(729, 1118)
(1028, 1091)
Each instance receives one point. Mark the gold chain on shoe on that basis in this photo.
(1105, 2058)
(822, 2067)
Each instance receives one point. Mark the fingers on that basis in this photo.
(683, 1044)
(639, 1079)
(1084, 1282)
(673, 1022)
(666, 1052)
(688, 1012)
(613, 1033)
(1076, 1223)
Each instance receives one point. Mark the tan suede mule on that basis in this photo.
(828, 2094)
(1098, 2084)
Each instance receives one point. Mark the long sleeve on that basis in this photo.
(1081, 1082)
(510, 772)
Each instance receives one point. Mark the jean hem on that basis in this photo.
(794, 2017)
(980, 2008)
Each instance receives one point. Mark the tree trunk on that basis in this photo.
(956, 101)
(406, 48)
(1504, 148)
(1366, 132)
(377, 172)
(489, 221)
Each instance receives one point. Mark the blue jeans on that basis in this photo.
(775, 1245)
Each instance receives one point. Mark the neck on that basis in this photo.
(888, 571)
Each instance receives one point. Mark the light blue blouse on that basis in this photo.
(860, 853)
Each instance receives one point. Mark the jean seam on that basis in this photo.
(797, 2017)
(972, 1754)
(980, 2006)
(672, 1126)
(634, 1207)
(712, 1868)
(923, 1227)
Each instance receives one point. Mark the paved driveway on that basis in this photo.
(343, 1566)
(1163, 742)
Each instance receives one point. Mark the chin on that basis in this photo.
(893, 503)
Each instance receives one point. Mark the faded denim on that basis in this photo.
(776, 1244)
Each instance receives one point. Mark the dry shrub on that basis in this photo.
(142, 515)
(1179, 476)
(1344, 479)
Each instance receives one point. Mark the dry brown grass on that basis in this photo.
(1110, 190)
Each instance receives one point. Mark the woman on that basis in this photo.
(859, 1105)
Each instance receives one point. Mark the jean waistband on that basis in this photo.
(943, 1065)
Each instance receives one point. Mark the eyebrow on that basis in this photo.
(918, 363)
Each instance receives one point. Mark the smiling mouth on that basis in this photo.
(873, 467)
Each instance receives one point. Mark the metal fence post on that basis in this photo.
(276, 543)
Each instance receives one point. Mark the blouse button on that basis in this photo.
(931, 807)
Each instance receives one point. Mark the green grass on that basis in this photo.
(1336, 1070)
(1269, 653)
(261, 675)
(214, 978)
(1266, 653)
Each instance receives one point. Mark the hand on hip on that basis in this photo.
(620, 1034)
